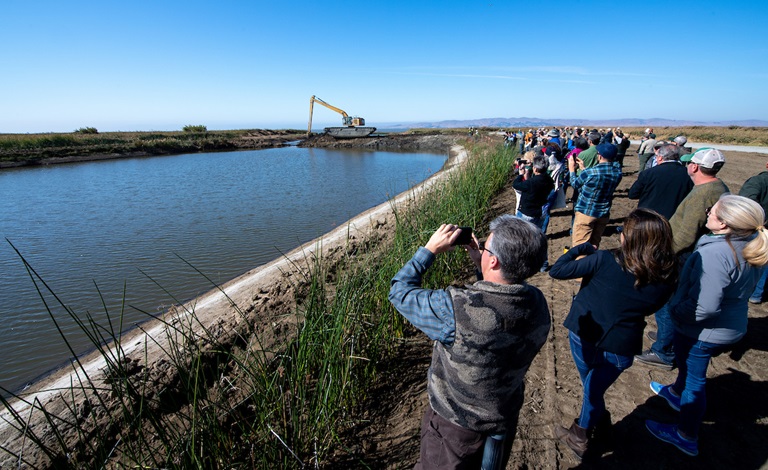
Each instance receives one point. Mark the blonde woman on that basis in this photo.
(709, 309)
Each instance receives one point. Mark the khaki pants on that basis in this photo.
(586, 228)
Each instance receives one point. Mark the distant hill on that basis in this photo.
(538, 122)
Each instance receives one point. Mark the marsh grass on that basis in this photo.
(226, 400)
(33, 147)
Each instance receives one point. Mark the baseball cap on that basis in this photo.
(706, 157)
(660, 144)
(681, 140)
(607, 151)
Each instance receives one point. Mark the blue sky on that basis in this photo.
(159, 65)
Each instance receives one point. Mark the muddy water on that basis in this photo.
(125, 232)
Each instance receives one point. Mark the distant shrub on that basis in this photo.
(87, 130)
(190, 128)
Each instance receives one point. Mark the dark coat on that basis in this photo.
(662, 188)
(756, 188)
(608, 312)
(533, 193)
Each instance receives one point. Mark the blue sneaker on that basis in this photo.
(665, 392)
(670, 434)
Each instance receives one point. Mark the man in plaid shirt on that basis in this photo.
(596, 186)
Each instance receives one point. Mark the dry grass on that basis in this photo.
(731, 135)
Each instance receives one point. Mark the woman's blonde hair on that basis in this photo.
(745, 217)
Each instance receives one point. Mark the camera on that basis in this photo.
(465, 237)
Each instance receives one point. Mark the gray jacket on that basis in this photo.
(711, 298)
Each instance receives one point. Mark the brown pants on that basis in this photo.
(445, 445)
(586, 228)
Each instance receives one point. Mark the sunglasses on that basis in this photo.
(482, 247)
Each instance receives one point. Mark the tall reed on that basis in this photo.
(234, 403)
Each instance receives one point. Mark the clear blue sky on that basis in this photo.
(159, 65)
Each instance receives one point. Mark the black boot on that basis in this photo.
(575, 437)
(602, 429)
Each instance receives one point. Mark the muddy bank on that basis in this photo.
(260, 304)
(388, 142)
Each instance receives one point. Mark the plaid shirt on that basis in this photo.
(596, 186)
(429, 310)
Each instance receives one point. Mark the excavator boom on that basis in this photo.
(352, 122)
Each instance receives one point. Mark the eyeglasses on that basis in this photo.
(482, 247)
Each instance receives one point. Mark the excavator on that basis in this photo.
(354, 125)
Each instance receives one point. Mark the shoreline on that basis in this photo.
(227, 311)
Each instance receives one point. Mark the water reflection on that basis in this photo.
(225, 213)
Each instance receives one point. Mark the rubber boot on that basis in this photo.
(576, 438)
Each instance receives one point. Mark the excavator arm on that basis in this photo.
(346, 119)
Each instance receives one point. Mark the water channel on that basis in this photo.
(116, 238)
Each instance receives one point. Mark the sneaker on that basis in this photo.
(649, 357)
(665, 392)
(670, 434)
(755, 300)
(651, 335)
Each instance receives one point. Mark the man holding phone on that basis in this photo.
(486, 336)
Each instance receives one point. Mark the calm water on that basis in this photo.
(110, 226)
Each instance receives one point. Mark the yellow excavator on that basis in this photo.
(354, 124)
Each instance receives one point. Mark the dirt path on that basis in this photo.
(735, 427)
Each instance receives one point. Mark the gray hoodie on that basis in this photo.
(711, 298)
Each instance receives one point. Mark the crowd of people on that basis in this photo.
(691, 254)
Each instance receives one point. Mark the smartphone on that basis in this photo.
(465, 238)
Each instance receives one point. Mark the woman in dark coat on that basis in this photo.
(607, 317)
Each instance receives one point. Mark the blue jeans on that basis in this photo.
(757, 294)
(598, 369)
(692, 362)
(537, 221)
(551, 199)
(665, 334)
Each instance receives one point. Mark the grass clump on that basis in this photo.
(229, 400)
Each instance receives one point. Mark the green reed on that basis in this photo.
(230, 402)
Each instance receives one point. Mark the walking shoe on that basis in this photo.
(649, 357)
(755, 300)
(670, 434)
(651, 335)
(665, 392)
